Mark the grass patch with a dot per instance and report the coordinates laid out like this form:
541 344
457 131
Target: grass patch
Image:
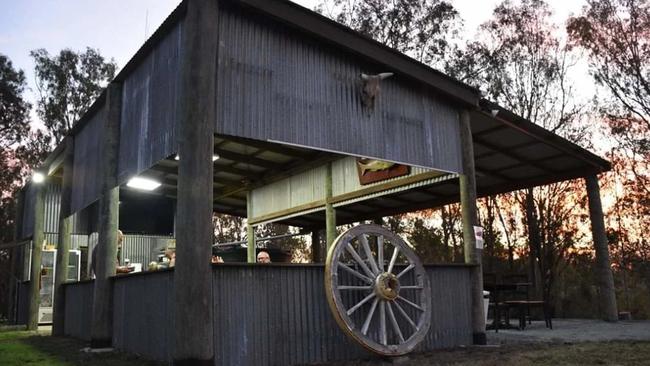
19 348
39 349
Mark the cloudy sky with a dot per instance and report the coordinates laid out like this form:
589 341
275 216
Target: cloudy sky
119 27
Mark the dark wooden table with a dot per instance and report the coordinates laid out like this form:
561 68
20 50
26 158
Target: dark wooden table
497 290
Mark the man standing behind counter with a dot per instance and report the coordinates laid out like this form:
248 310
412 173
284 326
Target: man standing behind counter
118 268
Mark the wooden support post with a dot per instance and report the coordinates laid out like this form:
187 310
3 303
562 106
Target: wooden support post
64 242
604 277
16 254
330 212
193 302
101 332
37 254
473 255
250 229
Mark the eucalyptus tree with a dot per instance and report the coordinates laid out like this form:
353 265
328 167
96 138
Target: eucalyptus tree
67 85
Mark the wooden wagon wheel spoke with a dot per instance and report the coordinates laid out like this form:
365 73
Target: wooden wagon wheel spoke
408 318
410 267
380 253
366 323
355 287
410 303
360 261
366 248
393 321
393 260
360 303
355 273
414 287
365 310
382 323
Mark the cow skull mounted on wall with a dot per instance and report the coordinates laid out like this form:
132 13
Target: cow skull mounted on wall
371 88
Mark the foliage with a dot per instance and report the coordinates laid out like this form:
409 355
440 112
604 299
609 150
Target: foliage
14 130
68 84
228 228
616 37
14 109
421 29
297 245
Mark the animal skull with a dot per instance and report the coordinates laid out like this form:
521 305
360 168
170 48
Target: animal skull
371 88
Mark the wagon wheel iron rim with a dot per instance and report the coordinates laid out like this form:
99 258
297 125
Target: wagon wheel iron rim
378 290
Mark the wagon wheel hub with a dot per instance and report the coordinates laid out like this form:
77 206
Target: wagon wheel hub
387 286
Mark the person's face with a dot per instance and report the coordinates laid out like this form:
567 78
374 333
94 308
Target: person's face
263 257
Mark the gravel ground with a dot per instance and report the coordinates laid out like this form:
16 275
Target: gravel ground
574 330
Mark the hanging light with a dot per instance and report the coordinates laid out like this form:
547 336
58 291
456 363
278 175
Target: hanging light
144 184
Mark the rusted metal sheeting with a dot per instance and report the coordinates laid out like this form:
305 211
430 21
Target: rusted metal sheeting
88 149
276 84
78 309
143 314
149 103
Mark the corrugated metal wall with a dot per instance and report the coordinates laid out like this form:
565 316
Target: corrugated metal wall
263 315
297 190
143 314
277 84
275 316
279 315
345 178
78 309
309 186
29 199
87 166
149 102
22 307
52 207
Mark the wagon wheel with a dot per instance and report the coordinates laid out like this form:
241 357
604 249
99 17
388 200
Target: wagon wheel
378 290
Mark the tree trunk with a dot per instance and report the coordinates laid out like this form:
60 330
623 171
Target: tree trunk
604 276
534 242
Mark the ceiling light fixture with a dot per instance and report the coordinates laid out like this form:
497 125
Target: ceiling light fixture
38 177
144 184
215 157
